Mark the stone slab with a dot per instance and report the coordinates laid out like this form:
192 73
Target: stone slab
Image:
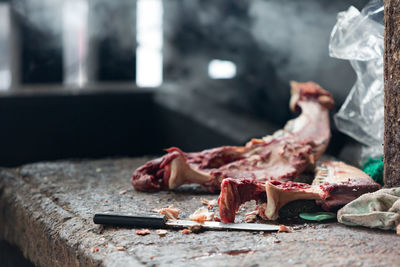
46 209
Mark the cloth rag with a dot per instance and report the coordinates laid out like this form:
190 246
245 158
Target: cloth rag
380 209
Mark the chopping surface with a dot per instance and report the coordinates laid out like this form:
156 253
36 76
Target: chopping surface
47 210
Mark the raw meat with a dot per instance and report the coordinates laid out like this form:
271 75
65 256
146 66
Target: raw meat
235 192
201 215
285 154
335 184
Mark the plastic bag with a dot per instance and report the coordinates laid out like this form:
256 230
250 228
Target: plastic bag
358 37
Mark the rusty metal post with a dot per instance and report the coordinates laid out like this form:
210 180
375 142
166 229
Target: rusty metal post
392 93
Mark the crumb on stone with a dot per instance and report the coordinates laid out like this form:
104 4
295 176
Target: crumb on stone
186 231
143 232
251 217
161 232
284 229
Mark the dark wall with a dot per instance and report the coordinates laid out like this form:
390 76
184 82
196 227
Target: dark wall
271 42
92 125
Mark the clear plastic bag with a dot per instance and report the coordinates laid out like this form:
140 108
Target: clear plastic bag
358 37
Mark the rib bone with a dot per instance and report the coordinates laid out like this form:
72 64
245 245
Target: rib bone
335 184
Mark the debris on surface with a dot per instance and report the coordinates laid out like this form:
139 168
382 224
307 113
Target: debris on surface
251 217
143 232
95 250
186 231
196 229
284 229
171 212
120 248
161 232
201 215
398 229
123 192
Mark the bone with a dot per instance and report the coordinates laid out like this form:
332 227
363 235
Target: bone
182 173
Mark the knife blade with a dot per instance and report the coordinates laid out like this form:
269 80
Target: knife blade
159 221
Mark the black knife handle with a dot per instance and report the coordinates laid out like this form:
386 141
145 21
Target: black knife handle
142 220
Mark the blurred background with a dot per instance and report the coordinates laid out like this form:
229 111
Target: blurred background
100 78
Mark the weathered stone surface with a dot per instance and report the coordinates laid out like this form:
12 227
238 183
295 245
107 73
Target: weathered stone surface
47 208
392 93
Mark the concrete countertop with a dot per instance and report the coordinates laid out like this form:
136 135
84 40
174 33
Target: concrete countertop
46 209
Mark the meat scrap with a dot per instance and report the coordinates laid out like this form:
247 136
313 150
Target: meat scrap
251 217
171 212
236 192
143 232
186 231
161 232
201 215
284 229
281 156
217 219
123 192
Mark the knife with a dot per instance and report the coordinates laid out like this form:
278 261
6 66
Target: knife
158 221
